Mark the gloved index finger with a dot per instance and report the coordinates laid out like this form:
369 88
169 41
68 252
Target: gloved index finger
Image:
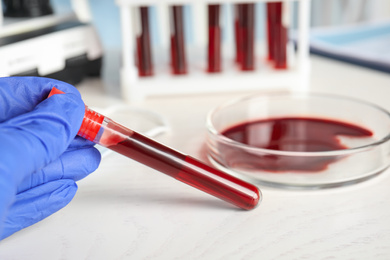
19 95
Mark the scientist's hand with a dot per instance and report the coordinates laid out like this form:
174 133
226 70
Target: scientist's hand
40 158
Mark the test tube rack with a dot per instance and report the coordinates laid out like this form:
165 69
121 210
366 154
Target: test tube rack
198 80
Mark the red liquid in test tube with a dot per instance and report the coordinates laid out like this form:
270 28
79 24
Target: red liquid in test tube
104 131
144 54
270 30
277 35
246 34
214 50
178 59
238 40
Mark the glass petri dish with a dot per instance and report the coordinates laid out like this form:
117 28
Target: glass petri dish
334 141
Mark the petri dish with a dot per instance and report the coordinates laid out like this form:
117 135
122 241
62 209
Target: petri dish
299 140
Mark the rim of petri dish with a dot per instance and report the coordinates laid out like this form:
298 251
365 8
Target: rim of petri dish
295 95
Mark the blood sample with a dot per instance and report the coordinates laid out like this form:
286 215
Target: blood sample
246 35
237 8
178 58
277 35
270 30
144 53
104 131
297 134
214 50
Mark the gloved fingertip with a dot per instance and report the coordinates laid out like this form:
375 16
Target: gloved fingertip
88 161
64 192
96 158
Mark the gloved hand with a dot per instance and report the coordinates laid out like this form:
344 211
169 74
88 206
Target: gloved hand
40 158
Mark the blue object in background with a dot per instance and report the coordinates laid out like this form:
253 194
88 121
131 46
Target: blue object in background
106 18
365 44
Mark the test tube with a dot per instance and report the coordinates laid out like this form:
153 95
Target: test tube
246 34
238 41
144 53
214 50
178 59
104 131
277 35
270 30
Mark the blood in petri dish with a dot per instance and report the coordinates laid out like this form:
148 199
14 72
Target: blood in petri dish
188 170
295 134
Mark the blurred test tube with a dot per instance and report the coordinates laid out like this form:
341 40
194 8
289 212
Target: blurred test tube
277 35
178 59
246 35
144 53
270 30
214 48
238 40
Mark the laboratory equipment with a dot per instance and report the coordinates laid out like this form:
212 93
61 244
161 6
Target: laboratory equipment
299 140
214 43
104 131
277 26
59 44
245 35
257 74
178 54
144 52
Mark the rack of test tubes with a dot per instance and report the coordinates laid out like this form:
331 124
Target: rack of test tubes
188 47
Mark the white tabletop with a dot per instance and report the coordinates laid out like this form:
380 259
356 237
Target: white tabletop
127 211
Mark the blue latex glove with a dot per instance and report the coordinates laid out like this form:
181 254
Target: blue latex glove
40 158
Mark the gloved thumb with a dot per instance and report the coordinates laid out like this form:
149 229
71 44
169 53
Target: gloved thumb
34 139
36 204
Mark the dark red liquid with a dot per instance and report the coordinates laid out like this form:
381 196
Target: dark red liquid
270 30
178 59
238 41
214 50
144 53
246 36
277 35
188 170
289 134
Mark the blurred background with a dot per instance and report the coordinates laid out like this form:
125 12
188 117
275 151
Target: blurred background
104 16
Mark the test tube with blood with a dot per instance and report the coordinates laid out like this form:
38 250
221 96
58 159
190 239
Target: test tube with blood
214 47
277 34
106 132
178 56
246 35
144 53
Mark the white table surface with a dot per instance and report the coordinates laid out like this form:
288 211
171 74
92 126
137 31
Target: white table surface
127 211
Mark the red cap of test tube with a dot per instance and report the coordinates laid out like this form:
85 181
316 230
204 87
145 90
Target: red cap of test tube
92 121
